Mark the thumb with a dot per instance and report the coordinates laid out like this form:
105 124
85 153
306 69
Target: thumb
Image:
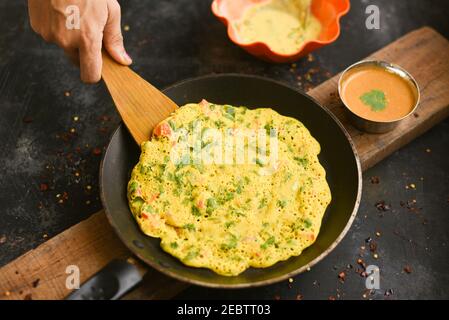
112 37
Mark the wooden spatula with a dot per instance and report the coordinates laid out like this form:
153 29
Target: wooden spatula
140 105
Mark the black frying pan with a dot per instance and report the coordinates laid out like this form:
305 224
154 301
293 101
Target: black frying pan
338 157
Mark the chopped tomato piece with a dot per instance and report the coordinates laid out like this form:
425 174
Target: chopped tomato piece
153 197
162 130
204 103
200 204
144 216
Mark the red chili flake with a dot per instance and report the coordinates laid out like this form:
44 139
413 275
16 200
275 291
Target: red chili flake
96 151
36 283
27 119
43 187
342 276
375 180
410 205
407 269
382 206
361 263
103 130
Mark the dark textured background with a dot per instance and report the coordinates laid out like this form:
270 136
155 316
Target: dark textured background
47 157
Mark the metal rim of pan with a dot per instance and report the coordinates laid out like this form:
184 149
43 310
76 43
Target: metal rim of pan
275 279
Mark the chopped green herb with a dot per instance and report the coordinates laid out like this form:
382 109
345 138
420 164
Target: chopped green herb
231 244
229 224
189 226
270 241
282 203
172 125
211 205
260 162
196 211
302 161
173 245
307 223
133 186
375 99
219 124
191 255
263 202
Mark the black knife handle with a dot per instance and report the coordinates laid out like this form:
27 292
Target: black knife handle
110 283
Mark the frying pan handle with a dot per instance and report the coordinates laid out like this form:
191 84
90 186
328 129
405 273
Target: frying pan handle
110 283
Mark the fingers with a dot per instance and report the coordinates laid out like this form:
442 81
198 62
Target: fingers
112 36
90 61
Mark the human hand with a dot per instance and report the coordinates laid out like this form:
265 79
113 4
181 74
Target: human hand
99 24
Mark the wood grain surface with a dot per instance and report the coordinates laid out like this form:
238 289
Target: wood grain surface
91 244
140 105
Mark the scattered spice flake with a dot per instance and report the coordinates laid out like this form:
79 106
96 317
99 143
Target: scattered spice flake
389 292
96 151
375 180
36 283
361 263
407 269
43 187
410 205
416 115
27 119
3 239
103 130
342 276
382 206
105 118
373 246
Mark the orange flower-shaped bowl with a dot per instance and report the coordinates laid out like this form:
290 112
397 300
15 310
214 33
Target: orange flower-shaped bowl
328 12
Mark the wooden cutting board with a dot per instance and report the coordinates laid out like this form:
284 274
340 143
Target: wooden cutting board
91 244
